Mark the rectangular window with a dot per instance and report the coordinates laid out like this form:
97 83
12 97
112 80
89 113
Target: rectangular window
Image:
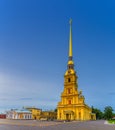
69 80
68 90
69 102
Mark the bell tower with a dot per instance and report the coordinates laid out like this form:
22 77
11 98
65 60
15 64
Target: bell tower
70 77
72 105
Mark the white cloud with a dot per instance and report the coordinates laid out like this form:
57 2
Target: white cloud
15 91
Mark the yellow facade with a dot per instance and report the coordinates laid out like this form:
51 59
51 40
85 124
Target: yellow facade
36 112
72 105
48 115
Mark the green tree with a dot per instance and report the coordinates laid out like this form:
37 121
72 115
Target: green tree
99 113
108 112
113 114
55 110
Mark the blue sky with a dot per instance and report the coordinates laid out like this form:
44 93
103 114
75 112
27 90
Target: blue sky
34 37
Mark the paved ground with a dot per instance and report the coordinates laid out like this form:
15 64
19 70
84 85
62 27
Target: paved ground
51 125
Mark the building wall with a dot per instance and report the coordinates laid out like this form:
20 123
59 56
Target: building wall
14 114
76 113
36 112
2 116
48 115
72 105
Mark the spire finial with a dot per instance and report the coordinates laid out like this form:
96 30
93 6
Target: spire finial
70 39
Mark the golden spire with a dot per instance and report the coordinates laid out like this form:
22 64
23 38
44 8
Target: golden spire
70 61
70 39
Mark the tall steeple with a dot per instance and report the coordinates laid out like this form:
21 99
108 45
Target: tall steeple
70 40
72 105
70 61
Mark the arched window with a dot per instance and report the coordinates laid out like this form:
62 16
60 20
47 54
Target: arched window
69 101
68 90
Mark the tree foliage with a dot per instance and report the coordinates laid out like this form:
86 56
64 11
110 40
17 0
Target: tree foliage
99 113
55 110
108 112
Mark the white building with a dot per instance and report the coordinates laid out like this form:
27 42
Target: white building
19 114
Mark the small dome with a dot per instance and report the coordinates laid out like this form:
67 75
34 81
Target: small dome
70 62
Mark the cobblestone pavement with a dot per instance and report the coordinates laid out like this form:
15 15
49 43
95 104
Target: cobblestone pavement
53 125
29 123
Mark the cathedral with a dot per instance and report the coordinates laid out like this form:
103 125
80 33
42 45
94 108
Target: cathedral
72 105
